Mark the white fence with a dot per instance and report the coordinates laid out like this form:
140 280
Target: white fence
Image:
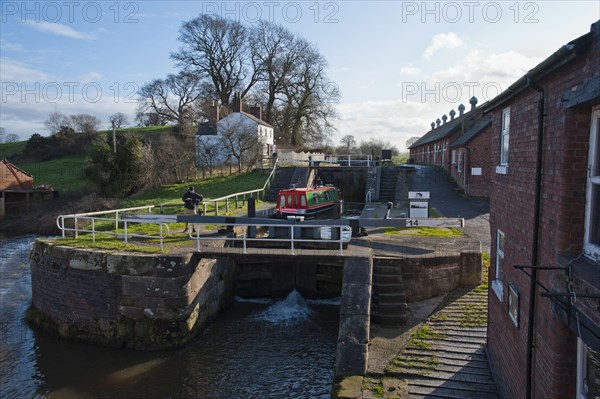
94 217
326 235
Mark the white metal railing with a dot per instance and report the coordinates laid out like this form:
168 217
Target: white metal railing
369 196
60 221
345 235
93 217
349 159
75 216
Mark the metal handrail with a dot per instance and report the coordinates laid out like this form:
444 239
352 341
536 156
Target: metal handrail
348 159
60 221
115 211
343 238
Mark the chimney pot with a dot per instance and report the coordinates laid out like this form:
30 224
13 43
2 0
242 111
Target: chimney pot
452 114
461 109
237 103
438 122
473 102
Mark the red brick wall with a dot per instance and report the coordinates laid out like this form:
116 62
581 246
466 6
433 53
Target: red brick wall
565 152
479 156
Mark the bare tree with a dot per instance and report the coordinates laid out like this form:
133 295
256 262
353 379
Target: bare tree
348 141
174 159
12 138
216 49
173 98
118 120
57 120
374 147
274 47
149 119
305 113
411 141
85 123
209 151
239 140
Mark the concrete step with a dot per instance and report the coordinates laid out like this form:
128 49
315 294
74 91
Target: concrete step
387 269
392 308
393 288
397 319
387 278
391 297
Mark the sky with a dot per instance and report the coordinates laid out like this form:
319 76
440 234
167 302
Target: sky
399 65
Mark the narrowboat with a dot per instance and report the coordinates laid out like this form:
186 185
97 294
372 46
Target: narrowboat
307 202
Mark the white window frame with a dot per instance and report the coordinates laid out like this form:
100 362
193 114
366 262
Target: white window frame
453 157
583 362
502 168
590 248
497 284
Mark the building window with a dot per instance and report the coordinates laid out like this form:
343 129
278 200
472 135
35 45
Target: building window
460 160
513 304
588 372
592 212
504 140
453 156
497 282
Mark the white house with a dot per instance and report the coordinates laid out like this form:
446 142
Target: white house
229 137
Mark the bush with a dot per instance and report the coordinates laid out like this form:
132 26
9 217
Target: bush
120 173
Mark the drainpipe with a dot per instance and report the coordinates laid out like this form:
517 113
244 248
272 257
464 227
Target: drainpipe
536 236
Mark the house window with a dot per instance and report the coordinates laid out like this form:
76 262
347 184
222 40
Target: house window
588 372
504 139
453 156
592 231
460 159
497 282
513 304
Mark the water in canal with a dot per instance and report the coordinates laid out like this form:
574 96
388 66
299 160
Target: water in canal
257 349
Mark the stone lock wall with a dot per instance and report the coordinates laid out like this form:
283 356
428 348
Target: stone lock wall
135 301
429 276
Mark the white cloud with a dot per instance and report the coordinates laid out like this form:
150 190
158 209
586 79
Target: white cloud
410 70
5 45
447 41
90 77
14 71
58 29
492 69
393 121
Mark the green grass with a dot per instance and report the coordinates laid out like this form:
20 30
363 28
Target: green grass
8 150
214 187
64 174
418 338
485 273
424 231
105 242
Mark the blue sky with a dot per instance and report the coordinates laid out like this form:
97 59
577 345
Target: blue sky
399 64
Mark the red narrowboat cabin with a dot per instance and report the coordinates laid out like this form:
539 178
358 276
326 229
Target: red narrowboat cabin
307 202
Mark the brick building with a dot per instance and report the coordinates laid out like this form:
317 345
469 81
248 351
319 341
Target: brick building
461 147
470 159
544 297
14 178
